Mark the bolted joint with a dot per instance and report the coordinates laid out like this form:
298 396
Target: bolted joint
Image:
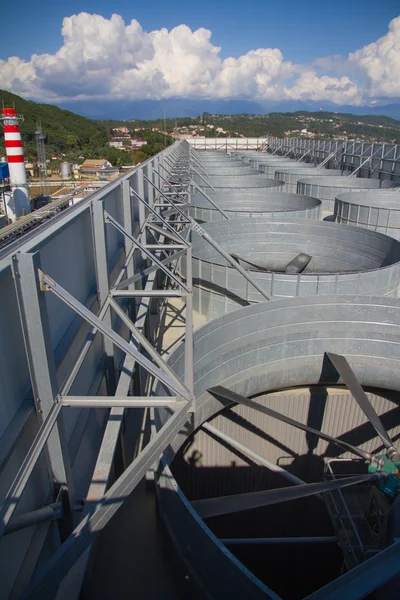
393 454
196 227
43 285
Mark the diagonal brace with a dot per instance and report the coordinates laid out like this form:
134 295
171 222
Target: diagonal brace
49 284
149 270
144 342
18 485
151 256
167 225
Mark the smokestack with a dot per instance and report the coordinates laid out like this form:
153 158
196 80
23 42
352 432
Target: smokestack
18 204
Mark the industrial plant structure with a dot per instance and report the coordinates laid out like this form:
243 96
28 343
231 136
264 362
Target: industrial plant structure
18 200
199 409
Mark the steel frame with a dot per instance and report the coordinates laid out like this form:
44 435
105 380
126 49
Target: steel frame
165 221
51 399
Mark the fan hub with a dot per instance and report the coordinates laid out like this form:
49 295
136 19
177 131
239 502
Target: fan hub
391 484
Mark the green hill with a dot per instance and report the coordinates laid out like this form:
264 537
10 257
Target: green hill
65 131
75 137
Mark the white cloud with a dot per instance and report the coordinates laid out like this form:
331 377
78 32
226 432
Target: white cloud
104 58
309 86
380 63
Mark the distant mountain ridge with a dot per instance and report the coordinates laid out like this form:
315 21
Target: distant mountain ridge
75 136
180 107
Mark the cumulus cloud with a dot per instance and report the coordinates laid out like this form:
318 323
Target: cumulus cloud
340 90
106 58
380 63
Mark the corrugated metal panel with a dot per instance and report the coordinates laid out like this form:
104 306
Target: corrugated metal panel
336 413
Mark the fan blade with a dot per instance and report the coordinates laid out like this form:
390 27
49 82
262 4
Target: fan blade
213 507
223 392
346 373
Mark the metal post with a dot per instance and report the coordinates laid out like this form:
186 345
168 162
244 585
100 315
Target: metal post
36 330
140 191
127 212
189 368
150 189
103 287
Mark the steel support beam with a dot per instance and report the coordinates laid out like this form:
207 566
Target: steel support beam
103 286
189 344
170 202
127 219
180 194
144 294
42 369
119 401
34 517
68 383
172 235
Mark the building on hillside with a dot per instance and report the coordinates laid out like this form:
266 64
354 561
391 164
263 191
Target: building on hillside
118 143
99 168
137 142
121 130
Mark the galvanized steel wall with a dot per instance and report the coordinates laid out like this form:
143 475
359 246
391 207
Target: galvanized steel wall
245 182
379 211
327 188
277 345
253 203
290 176
344 260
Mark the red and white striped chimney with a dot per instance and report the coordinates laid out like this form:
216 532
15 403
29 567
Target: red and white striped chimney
19 203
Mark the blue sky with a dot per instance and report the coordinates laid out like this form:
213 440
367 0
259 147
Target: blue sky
303 30
281 49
